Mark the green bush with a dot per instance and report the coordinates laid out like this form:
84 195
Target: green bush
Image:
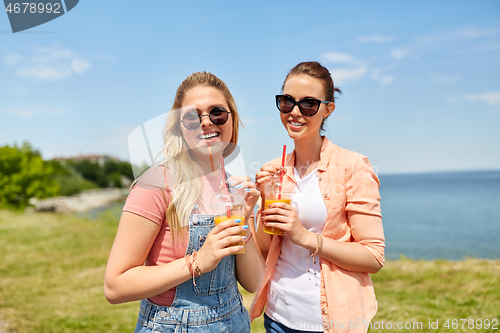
73 176
24 175
105 175
70 181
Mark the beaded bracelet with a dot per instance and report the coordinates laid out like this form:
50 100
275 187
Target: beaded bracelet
196 271
319 245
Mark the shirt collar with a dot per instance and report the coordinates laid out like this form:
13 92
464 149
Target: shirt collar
326 149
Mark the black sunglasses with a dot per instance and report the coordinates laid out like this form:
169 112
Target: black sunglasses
218 116
307 106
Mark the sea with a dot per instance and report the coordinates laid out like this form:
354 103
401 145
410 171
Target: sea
441 215
453 215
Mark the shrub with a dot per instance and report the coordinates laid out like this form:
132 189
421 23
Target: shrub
24 175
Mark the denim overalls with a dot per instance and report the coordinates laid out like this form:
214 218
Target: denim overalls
213 305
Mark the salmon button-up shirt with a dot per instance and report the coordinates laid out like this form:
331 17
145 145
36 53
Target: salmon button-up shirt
350 191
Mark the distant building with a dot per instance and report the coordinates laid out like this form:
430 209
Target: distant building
101 159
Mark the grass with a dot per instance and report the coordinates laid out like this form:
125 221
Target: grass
428 291
52 272
52 269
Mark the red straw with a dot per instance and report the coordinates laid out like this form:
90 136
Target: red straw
282 173
211 159
226 193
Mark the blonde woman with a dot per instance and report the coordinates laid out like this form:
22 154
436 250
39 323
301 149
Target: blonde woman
167 251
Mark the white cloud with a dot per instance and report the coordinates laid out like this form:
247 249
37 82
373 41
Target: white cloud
48 63
342 75
474 33
12 59
492 98
355 70
400 53
29 113
386 79
339 58
445 78
351 69
79 66
376 38
377 74
44 72
459 34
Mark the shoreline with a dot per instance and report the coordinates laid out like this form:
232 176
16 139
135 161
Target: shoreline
80 203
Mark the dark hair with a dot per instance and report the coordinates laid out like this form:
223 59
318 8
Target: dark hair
317 71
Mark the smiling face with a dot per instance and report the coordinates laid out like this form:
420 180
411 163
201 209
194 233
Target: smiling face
204 99
301 127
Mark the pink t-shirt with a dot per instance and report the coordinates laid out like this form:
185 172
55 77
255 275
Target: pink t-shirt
149 198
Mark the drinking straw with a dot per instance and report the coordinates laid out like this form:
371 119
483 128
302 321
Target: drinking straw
226 192
282 173
211 159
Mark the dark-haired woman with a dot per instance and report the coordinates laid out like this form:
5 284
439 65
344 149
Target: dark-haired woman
316 276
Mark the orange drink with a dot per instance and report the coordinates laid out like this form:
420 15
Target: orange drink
230 202
221 218
272 230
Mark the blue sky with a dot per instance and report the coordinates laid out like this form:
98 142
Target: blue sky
420 80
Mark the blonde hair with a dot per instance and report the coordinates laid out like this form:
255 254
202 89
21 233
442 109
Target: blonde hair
180 163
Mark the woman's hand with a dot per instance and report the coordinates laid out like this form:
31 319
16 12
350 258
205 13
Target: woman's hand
267 173
283 216
252 193
263 177
217 244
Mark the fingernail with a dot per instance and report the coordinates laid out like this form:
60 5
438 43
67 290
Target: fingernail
237 186
244 238
237 220
245 227
247 190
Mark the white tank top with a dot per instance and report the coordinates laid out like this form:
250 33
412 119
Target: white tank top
294 293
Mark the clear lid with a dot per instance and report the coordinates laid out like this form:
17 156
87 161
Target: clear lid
233 195
234 200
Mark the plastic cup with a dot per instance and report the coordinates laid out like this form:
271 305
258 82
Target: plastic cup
272 195
236 211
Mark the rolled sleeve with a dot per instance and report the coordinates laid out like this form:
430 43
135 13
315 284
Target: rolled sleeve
363 208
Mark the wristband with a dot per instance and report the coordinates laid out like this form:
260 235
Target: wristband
196 271
319 245
246 241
